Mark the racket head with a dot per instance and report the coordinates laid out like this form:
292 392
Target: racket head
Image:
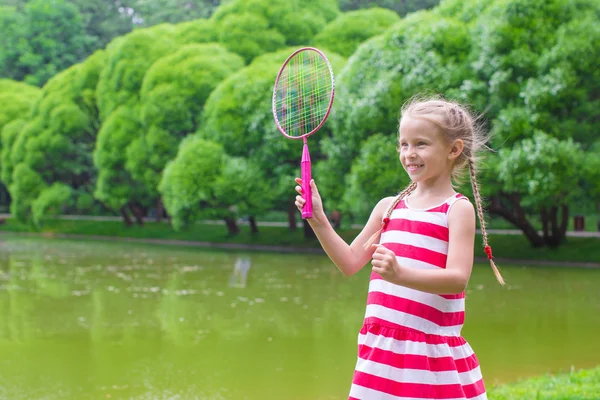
303 93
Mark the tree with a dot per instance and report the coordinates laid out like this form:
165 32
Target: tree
375 173
401 7
543 174
188 184
46 38
115 187
237 117
422 53
345 33
172 97
540 77
56 145
16 99
253 27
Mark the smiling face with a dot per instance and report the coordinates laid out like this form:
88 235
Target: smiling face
425 153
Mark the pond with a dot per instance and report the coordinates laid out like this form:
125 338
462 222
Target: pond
102 320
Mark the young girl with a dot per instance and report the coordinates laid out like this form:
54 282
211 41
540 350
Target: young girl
410 346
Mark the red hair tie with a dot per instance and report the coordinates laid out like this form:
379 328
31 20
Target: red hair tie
386 221
488 251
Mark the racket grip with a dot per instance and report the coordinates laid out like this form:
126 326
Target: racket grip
306 178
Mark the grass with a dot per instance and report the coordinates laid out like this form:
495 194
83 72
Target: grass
505 246
575 385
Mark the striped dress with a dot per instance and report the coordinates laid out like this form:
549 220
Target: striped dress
410 346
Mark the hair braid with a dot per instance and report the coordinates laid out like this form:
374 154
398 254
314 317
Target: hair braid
478 201
386 219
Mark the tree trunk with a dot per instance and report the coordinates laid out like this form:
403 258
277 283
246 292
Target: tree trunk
232 227
308 232
160 210
544 217
292 215
125 215
253 226
559 232
138 213
516 216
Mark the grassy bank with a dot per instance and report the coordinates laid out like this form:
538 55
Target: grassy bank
505 246
579 385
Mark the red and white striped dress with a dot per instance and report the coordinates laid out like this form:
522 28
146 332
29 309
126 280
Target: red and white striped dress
410 346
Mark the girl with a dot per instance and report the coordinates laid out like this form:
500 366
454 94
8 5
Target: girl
410 346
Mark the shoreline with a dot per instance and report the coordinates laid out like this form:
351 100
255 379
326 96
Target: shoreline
267 248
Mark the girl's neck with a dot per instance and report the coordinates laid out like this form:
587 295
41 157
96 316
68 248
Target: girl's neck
435 188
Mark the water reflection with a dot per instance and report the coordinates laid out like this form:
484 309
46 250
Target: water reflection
92 320
239 277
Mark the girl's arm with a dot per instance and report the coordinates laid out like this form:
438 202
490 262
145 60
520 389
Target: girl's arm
451 280
348 258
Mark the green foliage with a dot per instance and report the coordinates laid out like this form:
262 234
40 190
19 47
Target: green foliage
46 38
344 34
402 7
375 173
10 133
57 143
115 186
243 184
173 94
575 385
424 52
128 59
197 31
542 168
16 99
237 116
24 189
50 201
188 181
253 27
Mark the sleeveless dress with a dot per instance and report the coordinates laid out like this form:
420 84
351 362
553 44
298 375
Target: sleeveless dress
410 345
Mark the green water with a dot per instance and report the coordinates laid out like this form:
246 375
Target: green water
96 320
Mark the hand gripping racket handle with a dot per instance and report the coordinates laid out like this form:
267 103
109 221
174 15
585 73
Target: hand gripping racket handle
306 178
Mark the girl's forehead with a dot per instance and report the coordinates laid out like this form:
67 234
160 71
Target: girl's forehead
413 127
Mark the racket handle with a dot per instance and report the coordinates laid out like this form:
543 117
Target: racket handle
306 178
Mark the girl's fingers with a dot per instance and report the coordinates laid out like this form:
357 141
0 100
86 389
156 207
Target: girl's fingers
299 189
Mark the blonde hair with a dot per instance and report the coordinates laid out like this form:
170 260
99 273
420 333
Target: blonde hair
456 121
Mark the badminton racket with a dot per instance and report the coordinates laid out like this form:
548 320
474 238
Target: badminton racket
302 100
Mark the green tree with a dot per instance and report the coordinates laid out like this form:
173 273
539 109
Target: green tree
56 144
536 70
173 94
546 173
16 99
114 186
237 116
375 173
189 181
42 40
402 7
253 27
344 34
128 59
422 53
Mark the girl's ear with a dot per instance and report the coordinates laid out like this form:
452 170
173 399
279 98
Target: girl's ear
456 149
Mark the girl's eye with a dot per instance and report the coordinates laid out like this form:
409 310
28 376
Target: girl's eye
421 144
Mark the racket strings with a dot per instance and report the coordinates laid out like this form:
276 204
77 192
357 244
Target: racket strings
303 94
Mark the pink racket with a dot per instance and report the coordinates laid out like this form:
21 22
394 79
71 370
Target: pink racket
302 99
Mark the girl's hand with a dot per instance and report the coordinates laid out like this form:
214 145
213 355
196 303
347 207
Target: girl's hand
385 264
317 204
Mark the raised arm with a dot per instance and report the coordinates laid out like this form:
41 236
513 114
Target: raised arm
348 258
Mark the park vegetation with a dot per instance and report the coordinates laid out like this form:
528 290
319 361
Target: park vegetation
169 116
